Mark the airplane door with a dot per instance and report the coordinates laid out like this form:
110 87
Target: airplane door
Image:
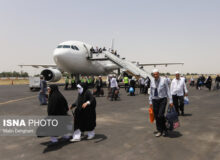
88 51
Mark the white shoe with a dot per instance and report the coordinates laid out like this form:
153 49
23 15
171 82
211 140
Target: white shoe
158 134
90 137
76 136
75 140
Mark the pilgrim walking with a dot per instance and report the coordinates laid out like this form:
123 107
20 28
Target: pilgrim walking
208 83
178 91
57 105
85 113
158 100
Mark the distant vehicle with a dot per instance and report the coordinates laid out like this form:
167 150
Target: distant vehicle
34 83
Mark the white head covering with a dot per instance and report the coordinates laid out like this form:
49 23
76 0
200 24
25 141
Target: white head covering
155 70
177 72
80 88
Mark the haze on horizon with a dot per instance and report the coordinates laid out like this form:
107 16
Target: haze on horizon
144 30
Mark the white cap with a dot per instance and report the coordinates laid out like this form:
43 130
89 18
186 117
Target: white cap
177 72
155 70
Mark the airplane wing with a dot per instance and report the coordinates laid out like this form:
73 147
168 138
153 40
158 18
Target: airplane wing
40 65
160 64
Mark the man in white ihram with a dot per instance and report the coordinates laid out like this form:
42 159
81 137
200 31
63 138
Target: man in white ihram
178 91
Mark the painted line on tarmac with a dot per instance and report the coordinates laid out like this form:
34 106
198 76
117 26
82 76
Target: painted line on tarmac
16 100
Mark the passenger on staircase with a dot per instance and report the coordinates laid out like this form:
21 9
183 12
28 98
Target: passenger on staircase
97 49
92 50
104 49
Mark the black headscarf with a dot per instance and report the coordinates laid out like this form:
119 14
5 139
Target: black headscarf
57 104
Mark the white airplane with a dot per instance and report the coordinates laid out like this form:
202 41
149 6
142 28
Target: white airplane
74 57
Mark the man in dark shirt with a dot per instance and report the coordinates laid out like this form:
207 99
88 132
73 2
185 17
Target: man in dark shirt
43 90
98 86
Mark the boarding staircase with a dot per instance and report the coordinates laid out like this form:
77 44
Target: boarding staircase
129 67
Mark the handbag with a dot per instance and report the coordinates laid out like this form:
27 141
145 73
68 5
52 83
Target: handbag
172 119
151 115
186 100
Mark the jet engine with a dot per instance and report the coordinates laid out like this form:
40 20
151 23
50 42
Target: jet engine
52 75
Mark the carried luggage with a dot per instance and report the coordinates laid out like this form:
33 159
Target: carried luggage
94 92
116 95
151 115
131 91
186 100
172 119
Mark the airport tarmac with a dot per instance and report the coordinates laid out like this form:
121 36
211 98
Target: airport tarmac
123 130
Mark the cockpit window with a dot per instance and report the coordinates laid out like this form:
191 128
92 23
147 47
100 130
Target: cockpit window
66 46
75 48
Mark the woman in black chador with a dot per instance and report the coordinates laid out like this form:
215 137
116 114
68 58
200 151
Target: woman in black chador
208 83
57 106
85 114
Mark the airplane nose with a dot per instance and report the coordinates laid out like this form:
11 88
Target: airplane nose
58 55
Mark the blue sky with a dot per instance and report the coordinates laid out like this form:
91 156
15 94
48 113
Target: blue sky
147 31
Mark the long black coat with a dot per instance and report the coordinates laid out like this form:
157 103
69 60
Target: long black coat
85 118
132 83
57 108
57 104
99 83
209 83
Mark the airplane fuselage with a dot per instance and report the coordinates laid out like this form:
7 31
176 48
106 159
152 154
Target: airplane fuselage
72 57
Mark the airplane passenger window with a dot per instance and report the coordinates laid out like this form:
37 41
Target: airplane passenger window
66 46
60 46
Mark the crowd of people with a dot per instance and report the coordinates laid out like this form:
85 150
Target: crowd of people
98 50
202 81
161 88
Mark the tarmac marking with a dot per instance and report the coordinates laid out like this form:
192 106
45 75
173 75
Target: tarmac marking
16 100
